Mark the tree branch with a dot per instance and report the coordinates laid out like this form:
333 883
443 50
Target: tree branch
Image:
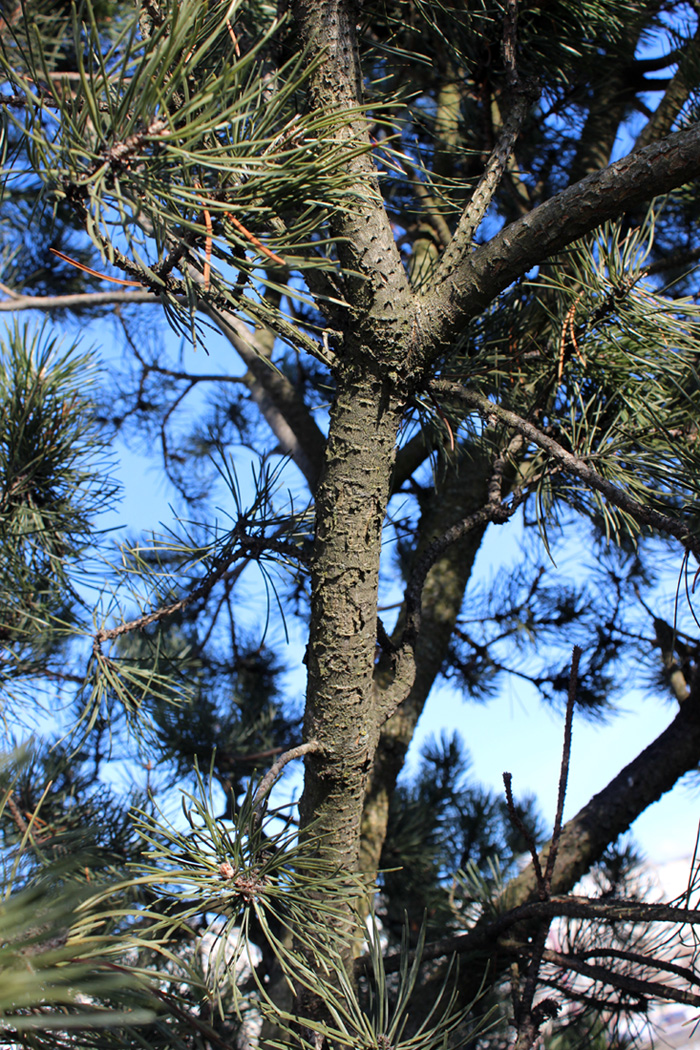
487 931
376 281
641 513
522 97
73 302
625 982
676 95
274 772
466 282
583 841
611 812
246 547
496 165
280 403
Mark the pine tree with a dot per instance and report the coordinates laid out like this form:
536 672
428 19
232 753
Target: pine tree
409 211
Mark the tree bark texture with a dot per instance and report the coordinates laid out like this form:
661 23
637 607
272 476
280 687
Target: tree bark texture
464 490
351 504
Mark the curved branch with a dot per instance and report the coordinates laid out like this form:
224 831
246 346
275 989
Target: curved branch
466 282
583 841
280 403
495 167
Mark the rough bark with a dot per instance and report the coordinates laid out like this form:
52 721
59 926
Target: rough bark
391 335
354 493
351 503
464 490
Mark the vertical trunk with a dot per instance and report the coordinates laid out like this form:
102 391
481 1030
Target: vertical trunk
465 490
340 709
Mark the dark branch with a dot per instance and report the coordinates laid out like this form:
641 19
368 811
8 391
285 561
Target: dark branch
466 282
486 932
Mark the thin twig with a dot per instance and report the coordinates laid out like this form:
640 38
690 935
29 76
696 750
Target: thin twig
493 173
529 1017
247 546
648 961
79 299
518 823
563 770
273 774
17 815
520 101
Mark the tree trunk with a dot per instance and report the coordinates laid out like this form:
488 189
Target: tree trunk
464 490
341 713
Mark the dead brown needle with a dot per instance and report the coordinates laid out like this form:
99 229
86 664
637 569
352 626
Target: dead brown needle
568 329
254 240
231 33
94 273
207 242
446 421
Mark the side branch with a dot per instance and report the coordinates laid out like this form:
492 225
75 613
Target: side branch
284 410
273 774
488 183
611 812
465 282
583 841
247 547
485 933
574 464
494 511
624 982
72 302
402 653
